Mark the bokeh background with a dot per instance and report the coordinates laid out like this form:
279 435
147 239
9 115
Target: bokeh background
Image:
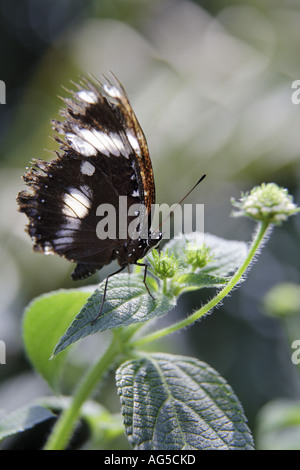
210 82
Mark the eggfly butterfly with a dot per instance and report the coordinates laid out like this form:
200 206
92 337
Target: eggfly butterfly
103 156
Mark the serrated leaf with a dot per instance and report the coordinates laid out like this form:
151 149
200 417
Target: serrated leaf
127 302
45 320
22 419
176 402
227 255
200 280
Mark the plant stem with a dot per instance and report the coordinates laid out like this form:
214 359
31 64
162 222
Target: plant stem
236 278
65 424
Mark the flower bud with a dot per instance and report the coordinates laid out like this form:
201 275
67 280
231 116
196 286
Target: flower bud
268 202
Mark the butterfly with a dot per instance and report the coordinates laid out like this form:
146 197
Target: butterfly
103 159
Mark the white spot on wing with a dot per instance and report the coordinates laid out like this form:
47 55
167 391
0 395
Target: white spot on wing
63 241
69 226
81 145
48 248
92 140
112 91
77 204
87 168
133 142
64 233
119 144
88 96
105 143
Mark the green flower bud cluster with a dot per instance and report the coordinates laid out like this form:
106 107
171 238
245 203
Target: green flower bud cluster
198 257
163 265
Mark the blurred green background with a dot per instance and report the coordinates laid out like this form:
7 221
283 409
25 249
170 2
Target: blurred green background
210 82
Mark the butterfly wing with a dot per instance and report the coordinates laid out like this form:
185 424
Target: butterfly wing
104 155
136 138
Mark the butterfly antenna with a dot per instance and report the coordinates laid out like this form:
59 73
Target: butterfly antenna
181 201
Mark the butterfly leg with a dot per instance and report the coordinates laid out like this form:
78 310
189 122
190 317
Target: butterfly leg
104 293
145 275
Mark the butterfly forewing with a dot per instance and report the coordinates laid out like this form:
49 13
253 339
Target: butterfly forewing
103 156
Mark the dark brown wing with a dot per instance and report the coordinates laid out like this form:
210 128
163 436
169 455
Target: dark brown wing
103 156
136 137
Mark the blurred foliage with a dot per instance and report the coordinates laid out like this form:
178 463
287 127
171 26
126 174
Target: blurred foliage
279 426
283 299
210 82
278 422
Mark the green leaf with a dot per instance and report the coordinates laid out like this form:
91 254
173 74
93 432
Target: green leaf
45 320
127 302
22 419
226 255
278 426
200 280
176 402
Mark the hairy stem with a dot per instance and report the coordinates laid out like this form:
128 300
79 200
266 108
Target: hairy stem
236 278
122 343
65 424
